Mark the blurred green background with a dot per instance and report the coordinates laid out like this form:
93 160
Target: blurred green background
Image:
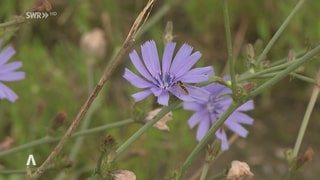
57 81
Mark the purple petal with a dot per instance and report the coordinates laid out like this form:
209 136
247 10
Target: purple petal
241 118
225 101
197 93
221 134
136 80
194 106
6 54
203 128
213 118
197 75
236 128
163 98
136 61
5 68
167 56
217 89
141 95
196 118
183 53
156 90
12 76
150 57
186 65
180 93
247 106
7 93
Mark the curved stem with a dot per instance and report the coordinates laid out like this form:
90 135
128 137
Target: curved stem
229 45
209 134
142 130
297 63
306 118
105 77
279 32
17 20
47 139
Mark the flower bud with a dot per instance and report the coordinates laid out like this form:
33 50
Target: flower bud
168 32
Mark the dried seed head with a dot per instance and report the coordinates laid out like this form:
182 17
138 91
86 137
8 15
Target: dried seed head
239 171
161 124
305 157
93 43
124 175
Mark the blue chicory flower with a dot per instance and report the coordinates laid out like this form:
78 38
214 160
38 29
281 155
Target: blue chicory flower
8 73
207 112
171 76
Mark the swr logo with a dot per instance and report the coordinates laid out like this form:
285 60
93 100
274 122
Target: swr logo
37 15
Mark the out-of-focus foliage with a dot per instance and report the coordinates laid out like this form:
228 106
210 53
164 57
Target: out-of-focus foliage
56 76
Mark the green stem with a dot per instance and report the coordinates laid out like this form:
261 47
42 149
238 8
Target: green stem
15 171
298 76
306 118
297 63
142 130
304 125
279 32
276 66
47 139
302 77
221 175
229 45
248 76
208 135
205 171
15 21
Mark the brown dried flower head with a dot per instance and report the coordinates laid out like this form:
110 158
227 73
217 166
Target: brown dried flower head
239 171
161 124
124 175
93 43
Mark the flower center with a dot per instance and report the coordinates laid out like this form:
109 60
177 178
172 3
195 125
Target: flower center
165 81
214 107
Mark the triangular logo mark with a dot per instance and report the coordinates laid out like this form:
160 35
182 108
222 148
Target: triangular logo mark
31 159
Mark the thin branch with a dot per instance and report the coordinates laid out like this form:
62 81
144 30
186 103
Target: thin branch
125 46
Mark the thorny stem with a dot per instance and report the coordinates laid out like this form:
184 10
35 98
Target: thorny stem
279 32
105 77
229 45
